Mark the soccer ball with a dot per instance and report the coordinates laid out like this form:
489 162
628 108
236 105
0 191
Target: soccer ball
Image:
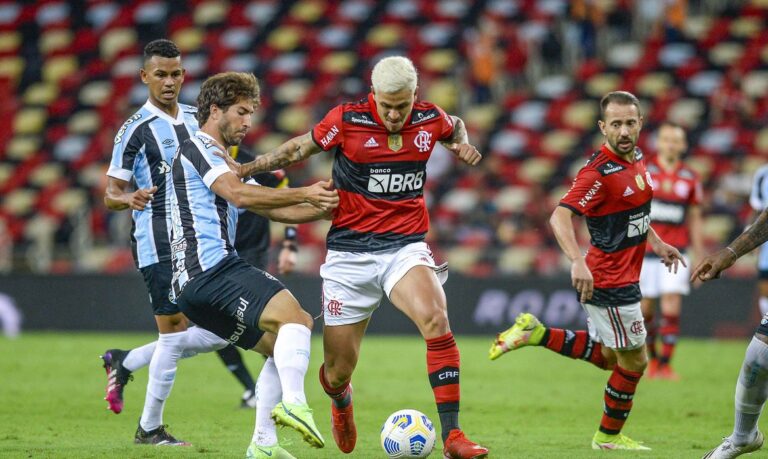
408 433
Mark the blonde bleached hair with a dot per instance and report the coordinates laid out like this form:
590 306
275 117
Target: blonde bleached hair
394 74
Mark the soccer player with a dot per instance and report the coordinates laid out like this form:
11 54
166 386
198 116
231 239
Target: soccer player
613 191
376 246
143 153
676 197
213 286
758 200
752 383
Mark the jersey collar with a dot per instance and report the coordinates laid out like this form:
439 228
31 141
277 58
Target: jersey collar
150 107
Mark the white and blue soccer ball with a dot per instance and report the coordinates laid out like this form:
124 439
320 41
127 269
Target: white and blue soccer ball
408 433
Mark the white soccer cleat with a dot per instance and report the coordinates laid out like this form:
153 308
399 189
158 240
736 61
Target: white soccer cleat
727 449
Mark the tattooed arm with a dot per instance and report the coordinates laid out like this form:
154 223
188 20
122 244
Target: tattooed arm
713 265
294 150
459 144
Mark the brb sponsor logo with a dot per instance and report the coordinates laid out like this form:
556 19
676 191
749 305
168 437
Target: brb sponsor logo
638 225
384 181
334 308
591 193
423 141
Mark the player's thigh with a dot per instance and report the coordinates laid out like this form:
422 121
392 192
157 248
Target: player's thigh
341 349
617 327
649 277
351 287
412 285
283 308
266 345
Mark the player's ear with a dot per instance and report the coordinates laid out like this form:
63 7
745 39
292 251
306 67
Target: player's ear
143 75
601 125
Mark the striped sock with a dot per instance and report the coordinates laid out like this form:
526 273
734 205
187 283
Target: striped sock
443 368
574 344
340 396
670 329
619 393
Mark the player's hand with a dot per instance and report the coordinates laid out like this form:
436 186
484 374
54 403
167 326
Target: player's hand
322 195
581 279
465 152
670 256
286 261
140 198
233 165
712 266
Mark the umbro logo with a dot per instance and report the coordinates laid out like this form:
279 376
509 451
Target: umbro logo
628 192
371 143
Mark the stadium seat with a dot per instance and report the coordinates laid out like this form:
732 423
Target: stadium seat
46 174
19 201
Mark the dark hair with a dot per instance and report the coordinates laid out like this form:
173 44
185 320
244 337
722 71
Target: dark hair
224 90
162 48
618 97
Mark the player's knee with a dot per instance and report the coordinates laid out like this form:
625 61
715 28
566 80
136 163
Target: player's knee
433 321
337 373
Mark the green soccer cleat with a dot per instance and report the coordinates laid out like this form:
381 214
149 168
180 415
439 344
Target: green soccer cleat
267 452
527 331
298 416
618 441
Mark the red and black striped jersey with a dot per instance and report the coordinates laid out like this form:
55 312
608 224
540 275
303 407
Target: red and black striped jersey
673 193
379 175
615 197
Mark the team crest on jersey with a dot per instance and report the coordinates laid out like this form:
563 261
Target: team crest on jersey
423 141
395 142
640 182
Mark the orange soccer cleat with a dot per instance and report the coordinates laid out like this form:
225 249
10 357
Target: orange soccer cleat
343 427
458 446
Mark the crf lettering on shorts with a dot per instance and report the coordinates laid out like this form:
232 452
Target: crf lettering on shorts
638 225
240 316
330 136
590 194
395 183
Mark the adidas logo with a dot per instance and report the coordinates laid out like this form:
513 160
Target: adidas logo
371 143
628 192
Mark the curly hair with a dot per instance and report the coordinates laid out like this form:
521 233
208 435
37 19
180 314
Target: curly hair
224 90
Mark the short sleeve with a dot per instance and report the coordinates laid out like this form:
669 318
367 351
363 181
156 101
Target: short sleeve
697 194
128 145
586 193
327 133
217 168
756 198
446 125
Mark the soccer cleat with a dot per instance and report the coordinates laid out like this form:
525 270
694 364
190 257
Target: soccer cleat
157 437
618 441
343 427
117 378
298 416
727 449
652 372
248 399
458 446
666 372
267 452
527 331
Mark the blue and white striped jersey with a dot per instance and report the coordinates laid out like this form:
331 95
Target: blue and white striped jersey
758 198
203 223
144 149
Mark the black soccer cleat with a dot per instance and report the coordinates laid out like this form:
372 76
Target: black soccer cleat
117 378
157 437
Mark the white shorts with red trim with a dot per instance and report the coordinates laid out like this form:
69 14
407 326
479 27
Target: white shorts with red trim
354 282
617 327
657 280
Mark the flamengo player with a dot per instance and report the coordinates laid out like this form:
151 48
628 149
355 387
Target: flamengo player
376 242
676 197
613 191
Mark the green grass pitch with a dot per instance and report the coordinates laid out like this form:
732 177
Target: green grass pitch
531 403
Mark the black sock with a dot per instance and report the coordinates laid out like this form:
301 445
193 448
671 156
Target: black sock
234 362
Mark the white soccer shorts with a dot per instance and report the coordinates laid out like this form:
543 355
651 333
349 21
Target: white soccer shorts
617 327
656 280
355 282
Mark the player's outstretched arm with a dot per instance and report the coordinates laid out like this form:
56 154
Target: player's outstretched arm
302 213
256 198
561 222
459 144
294 150
117 196
669 255
713 265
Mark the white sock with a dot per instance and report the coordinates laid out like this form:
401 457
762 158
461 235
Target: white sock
139 357
751 392
198 340
763 302
268 393
162 372
292 359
